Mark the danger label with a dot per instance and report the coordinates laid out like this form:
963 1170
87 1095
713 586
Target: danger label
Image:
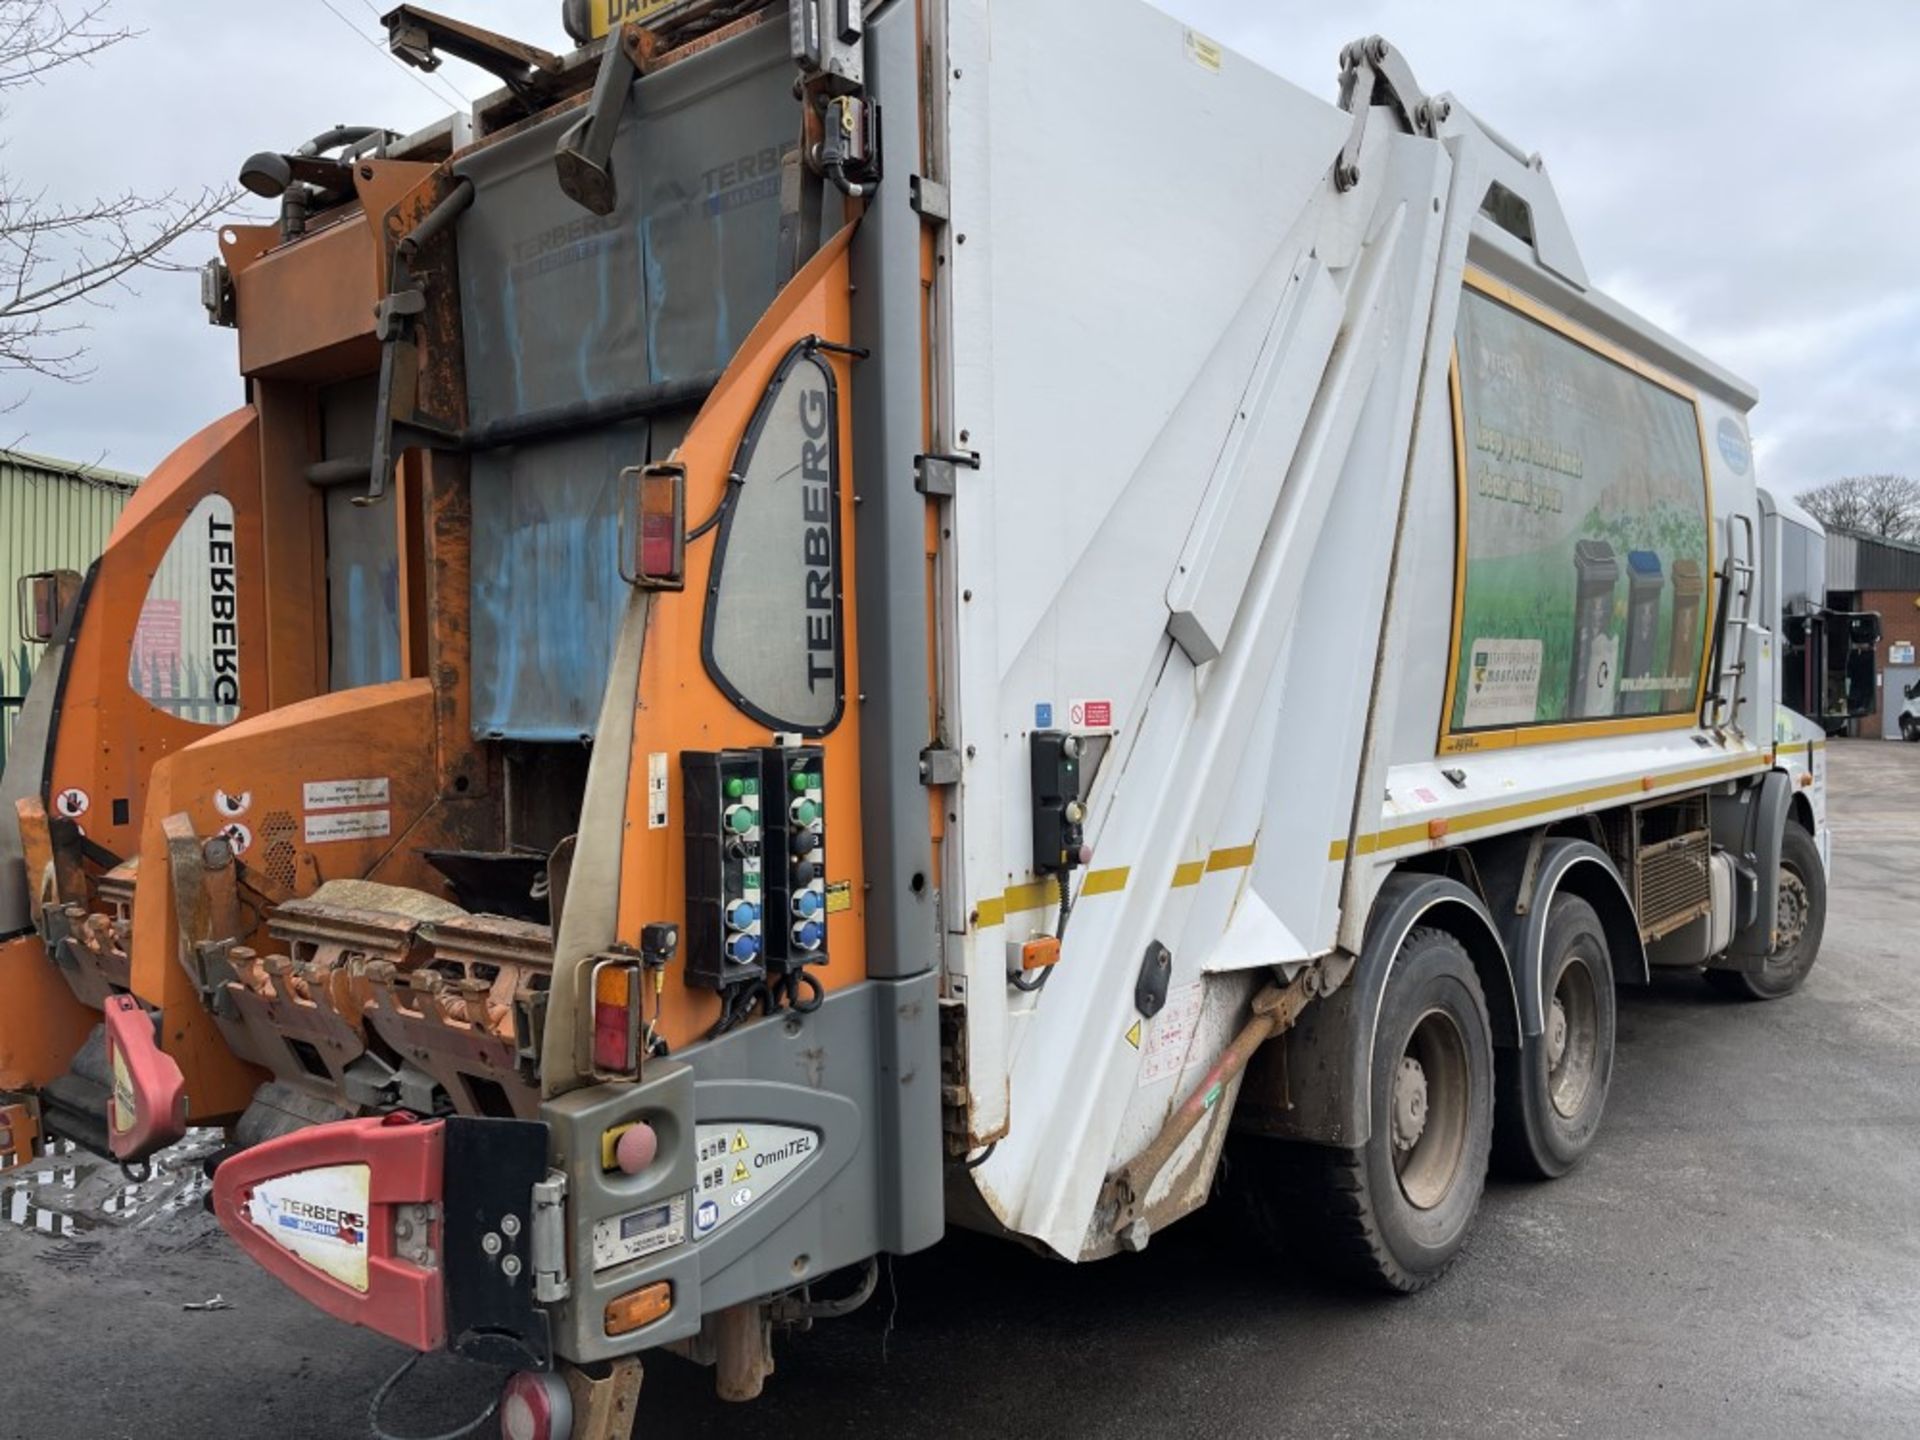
1090 714
348 825
740 1163
344 794
1172 1035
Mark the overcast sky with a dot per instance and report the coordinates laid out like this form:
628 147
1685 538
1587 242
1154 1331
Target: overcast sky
1746 173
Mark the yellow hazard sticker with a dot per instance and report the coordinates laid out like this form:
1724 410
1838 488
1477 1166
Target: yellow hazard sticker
740 1171
1203 52
1133 1035
739 1141
839 897
606 14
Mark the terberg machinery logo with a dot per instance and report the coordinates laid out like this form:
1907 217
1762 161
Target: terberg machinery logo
223 604
816 534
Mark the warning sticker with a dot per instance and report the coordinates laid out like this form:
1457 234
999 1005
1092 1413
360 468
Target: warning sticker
344 794
1172 1034
741 1163
657 790
839 897
320 1216
72 802
1203 52
1090 714
1503 683
348 825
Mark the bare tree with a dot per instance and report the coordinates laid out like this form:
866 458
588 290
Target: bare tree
59 257
1883 505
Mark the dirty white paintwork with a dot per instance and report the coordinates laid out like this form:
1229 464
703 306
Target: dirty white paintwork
1198 379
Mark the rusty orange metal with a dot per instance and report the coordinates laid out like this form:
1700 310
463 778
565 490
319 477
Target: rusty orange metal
34 1053
680 708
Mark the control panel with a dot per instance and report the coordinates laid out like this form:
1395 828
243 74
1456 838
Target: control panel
1059 815
796 854
727 921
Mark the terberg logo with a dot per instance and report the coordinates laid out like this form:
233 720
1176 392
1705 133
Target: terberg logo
223 606
816 533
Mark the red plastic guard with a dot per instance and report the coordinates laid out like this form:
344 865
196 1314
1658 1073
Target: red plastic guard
317 1209
147 1104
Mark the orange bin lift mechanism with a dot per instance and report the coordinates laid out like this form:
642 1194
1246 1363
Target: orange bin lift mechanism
454 995
370 733
679 706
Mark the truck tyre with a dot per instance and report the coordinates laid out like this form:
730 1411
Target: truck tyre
1552 1089
1801 920
1395 1212
1908 730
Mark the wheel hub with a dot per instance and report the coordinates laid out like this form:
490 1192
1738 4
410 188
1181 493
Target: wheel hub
1556 1032
1409 1103
1790 915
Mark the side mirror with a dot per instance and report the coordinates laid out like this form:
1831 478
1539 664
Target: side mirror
41 601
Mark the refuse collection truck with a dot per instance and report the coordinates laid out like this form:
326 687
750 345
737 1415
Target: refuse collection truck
962 639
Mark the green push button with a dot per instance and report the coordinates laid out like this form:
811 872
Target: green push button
740 819
736 787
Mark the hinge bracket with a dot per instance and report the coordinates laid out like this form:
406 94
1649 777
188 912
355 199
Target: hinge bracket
939 767
930 200
547 1245
1373 73
938 475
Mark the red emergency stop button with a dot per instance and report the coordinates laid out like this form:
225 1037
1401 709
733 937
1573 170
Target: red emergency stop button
147 1104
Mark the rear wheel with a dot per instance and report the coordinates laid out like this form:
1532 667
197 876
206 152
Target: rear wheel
1553 1088
1799 923
1395 1212
1908 730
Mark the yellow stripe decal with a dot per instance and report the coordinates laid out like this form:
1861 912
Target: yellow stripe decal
1400 835
1237 858
1038 894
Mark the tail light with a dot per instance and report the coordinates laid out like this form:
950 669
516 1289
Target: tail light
653 526
617 999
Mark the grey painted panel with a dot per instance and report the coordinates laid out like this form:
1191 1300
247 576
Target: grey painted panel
547 592
561 306
902 920
363 550
863 1071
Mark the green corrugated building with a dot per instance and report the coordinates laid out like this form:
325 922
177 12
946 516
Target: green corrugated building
54 515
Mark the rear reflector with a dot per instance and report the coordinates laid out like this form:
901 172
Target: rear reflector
536 1406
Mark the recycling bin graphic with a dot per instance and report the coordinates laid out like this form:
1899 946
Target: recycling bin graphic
1644 584
1595 652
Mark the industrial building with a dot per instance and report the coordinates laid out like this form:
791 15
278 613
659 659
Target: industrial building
54 515
1868 572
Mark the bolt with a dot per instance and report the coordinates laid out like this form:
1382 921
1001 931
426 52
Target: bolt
510 1226
510 1267
490 1243
1134 1238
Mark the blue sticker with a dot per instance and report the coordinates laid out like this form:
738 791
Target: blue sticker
706 1217
1733 446
1042 715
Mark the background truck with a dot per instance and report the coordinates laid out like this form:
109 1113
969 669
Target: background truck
947 655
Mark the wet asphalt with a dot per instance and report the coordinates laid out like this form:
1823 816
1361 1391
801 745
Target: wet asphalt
1740 1256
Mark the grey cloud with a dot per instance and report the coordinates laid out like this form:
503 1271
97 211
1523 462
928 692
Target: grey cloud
1744 173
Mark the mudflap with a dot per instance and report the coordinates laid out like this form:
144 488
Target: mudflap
420 1230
